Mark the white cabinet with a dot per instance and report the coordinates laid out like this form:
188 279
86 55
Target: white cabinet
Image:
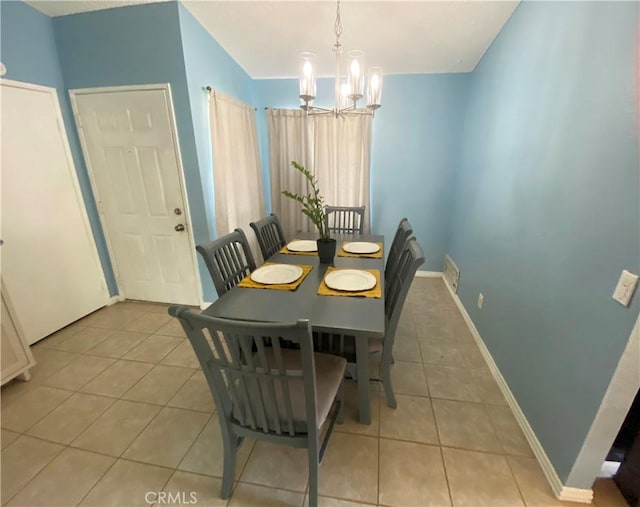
15 356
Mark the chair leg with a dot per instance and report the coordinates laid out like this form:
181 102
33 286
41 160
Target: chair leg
230 449
386 382
340 398
314 459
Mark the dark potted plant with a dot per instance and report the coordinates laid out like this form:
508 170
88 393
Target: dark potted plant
313 206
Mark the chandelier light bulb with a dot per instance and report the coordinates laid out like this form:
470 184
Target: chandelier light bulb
374 90
307 77
344 95
307 69
356 81
355 68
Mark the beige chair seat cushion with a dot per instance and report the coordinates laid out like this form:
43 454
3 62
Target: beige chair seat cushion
329 374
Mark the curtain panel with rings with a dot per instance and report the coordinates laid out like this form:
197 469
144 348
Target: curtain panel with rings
237 177
336 150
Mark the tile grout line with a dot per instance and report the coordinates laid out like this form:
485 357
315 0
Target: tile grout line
190 445
97 481
379 432
45 415
440 447
35 475
515 480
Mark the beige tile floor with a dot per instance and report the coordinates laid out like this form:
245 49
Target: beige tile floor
117 409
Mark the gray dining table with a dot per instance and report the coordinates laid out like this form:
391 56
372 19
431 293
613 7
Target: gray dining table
360 317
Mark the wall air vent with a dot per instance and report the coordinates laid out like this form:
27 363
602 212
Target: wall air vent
451 274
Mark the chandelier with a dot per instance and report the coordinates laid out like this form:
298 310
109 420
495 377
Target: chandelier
348 91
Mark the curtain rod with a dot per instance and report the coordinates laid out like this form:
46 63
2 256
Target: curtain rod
209 89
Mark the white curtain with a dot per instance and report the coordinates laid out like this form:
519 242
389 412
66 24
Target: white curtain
337 150
341 157
289 139
237 178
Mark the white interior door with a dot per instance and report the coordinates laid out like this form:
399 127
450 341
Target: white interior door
129 144
50 265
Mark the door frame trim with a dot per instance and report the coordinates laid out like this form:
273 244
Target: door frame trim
166 88
73 169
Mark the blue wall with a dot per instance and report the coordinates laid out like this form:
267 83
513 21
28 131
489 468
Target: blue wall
207 64
546 212
30 55
415 147
136 45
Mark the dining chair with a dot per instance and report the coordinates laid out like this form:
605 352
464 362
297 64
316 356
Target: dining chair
345 219
270 235
268 393
403 232
381 349
228 259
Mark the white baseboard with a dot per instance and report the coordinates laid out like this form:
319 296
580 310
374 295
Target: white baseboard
205 304
575 495
428 274
562 492
115 299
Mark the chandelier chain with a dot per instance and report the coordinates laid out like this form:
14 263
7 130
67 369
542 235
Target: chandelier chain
337 47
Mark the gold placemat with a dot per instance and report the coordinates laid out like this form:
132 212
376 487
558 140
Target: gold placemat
247 282
376 292
375 255
285 250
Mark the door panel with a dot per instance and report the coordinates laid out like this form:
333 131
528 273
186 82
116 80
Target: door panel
50 265
129 145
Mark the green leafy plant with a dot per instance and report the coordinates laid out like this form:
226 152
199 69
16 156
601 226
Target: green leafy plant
312 203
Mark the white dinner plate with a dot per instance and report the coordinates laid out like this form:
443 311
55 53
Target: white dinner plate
303 245
361 247
276 273
351 280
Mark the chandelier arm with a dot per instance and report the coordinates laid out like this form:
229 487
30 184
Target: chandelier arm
318 110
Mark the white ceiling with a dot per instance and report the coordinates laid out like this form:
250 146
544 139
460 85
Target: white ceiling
265 36
64 7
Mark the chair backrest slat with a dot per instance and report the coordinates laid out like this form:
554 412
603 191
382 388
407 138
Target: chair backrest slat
397 288
270 235
253 385
345 219
285 388
272 402
228 259
403 232
242 391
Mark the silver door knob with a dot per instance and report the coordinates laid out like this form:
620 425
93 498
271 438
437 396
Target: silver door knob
179 227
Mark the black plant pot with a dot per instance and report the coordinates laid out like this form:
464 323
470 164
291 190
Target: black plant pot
326 250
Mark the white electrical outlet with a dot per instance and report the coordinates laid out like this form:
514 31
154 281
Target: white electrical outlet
625 288
480 300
